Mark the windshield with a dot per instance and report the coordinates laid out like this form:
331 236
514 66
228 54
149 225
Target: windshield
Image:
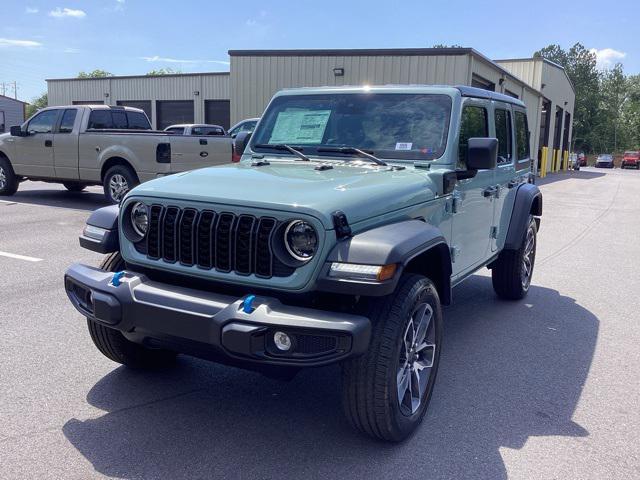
389 125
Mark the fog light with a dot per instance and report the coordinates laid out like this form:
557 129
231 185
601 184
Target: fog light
282 341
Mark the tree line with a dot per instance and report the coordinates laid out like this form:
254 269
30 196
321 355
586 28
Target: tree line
606 116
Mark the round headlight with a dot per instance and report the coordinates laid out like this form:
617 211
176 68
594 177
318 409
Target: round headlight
140 219
301 240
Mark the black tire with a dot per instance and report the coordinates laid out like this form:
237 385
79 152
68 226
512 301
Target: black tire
370 392
74 186
113 345
510 279
118 174
8 180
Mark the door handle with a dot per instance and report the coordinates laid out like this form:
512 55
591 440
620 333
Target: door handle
48 143
489 192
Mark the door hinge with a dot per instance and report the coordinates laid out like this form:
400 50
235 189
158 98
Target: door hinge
454 252
494 232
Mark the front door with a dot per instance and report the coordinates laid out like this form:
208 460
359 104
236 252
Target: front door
473 197
505 171
34 153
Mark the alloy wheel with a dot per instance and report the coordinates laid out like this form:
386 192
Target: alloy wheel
118 187
528 257
3 179
417 354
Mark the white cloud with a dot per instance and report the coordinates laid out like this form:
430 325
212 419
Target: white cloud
67 12
71 50
251 22
120 1
606 57
8 42
31 10
119 6
157 58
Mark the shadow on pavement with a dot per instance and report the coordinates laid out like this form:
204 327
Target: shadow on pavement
59 197
569 175
509 371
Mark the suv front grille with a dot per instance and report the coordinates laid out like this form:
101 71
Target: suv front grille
213 240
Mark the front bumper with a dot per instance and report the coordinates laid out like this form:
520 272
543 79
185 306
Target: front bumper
161 315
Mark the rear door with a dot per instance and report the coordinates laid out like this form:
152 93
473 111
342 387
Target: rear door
34 153
65 144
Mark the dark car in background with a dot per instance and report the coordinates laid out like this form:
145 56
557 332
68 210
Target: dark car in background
604 160
631 159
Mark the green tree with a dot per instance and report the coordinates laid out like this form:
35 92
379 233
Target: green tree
630 120
97 73
36 104
614 95
162 71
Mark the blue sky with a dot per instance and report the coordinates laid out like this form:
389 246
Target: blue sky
50 39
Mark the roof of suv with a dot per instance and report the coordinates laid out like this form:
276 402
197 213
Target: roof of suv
464 90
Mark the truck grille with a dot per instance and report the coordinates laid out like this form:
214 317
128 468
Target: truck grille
213 240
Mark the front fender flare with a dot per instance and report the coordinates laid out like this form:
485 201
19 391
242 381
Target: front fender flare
397 243
105 218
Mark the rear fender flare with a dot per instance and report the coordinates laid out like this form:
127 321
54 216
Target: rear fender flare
528 202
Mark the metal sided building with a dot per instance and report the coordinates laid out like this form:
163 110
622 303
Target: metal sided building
166 99
12 112
257 74
556 115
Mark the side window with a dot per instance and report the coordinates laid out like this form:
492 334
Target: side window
176 130
68 119
2 125
522 136
119 119
43 122
504 135
138 121
473 124
100 119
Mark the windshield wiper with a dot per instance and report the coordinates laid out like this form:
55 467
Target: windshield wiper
353 151
281 146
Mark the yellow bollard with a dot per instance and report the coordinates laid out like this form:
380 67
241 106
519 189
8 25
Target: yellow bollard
566 160
543 162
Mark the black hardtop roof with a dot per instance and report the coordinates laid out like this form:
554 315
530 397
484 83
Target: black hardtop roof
475 92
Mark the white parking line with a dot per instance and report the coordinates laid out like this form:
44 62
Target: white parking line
20 257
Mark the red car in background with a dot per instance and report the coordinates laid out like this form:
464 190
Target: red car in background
582 159
631 159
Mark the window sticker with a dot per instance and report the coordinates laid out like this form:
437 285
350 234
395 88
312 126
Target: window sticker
404 145
300 126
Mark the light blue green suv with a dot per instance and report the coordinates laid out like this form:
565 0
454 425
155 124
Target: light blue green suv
338 237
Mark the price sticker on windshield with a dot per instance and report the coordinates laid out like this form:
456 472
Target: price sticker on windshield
404 145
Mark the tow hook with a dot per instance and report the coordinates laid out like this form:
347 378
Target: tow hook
116 281
247 305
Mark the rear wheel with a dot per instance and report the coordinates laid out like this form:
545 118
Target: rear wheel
8 180
74 186
117 182
386 391
113 345
512 271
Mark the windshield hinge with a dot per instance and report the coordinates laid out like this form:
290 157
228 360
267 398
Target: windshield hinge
341 225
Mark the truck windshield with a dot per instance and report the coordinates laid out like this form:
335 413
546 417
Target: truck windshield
389 125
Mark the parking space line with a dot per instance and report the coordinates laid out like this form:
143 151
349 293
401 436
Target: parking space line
20 257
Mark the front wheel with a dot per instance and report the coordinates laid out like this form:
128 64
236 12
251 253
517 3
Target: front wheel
8 180
512 271
386 391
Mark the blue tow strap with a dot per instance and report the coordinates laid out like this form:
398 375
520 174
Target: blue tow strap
247 305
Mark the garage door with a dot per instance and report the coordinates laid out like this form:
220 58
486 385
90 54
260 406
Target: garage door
170 112
141 104
218 112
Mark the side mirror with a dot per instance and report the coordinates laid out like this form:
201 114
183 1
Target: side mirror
241 141
16 131
482 153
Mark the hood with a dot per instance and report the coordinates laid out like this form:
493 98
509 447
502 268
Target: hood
359 190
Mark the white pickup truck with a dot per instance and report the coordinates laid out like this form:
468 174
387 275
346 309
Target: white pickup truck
115 147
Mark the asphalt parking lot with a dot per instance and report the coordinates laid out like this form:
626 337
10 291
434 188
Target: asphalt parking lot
545 388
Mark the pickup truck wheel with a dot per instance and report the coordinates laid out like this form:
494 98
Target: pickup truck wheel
8 180
387 390
511 274
115 346
74 186
118 180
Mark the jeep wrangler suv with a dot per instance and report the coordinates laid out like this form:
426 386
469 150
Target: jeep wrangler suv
337 238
